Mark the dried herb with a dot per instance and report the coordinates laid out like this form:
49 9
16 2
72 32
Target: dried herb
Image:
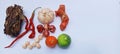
13 21
29 27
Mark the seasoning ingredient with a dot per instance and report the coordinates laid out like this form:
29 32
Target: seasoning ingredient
64 17
46 15
64 40
51 41
34 44
14 20
40 28
52 28
29 26
38 45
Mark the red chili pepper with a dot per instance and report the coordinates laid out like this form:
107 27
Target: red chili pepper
26 20
31 26
28 27
32 35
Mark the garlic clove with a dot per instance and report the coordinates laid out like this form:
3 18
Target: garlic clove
24 46
38 46
37 40
34 44
40 37
27 43
30 47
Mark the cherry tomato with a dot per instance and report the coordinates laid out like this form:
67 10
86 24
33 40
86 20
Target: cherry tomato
51 41
40 28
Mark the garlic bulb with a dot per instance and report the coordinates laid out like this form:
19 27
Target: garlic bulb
46 15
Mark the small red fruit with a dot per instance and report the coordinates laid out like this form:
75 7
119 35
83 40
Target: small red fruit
51 41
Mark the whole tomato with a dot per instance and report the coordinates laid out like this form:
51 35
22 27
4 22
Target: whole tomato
51 41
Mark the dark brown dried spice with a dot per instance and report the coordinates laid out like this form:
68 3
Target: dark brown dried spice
13 21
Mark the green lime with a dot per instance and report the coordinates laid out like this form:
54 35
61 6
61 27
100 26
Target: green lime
64 40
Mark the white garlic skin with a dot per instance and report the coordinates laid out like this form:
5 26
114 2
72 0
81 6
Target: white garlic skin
46 15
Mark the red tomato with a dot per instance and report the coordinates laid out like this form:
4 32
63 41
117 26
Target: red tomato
51 41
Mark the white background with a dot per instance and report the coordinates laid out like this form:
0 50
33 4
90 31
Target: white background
94 26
